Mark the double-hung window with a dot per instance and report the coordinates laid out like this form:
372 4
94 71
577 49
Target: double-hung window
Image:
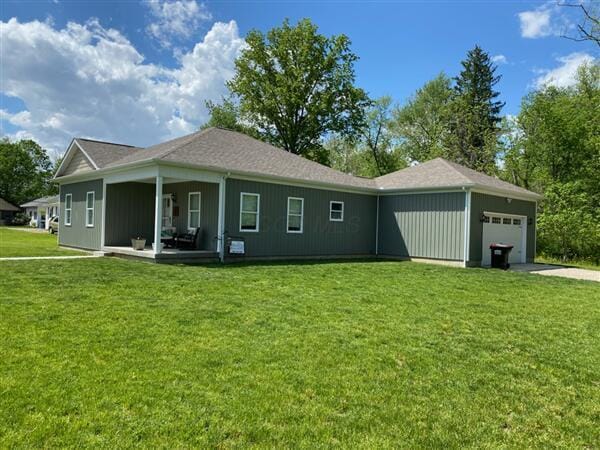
336 211
89 209
249 211
193 210
68 208
295 215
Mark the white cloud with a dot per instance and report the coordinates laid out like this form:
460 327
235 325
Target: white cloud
546 20
566 74
499 59
175 19
89 81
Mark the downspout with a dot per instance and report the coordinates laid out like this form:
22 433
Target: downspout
377 229
467 227
221 231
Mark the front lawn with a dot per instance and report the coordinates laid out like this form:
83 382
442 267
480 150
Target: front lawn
114 353
30 243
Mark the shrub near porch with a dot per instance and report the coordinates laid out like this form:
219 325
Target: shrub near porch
361 354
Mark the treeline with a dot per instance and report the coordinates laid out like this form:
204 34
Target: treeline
26 171
295 88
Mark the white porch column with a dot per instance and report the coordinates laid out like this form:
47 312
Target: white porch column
47 223
221 220
103 230
158 215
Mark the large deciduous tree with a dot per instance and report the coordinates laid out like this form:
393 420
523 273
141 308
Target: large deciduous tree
376 136
556 150
423 123
475 113
25 171
296 85
227 115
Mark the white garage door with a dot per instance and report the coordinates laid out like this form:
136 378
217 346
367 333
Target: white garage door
504 229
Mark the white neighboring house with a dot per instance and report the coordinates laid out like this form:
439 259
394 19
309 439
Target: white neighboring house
41 210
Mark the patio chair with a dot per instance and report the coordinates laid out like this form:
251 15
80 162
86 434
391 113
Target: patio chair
167 237
190 241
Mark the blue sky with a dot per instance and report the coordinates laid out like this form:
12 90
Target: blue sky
139 71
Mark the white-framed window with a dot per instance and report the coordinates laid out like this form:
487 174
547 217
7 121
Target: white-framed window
249 212
336 211
89 209
295 215
194 210
68 208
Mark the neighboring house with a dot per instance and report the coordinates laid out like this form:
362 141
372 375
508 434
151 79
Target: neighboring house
41 210
7 212
281 205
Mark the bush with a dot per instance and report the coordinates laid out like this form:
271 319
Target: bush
21 219
569 225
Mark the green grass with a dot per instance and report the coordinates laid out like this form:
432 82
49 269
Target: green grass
28 243
583 264
116 353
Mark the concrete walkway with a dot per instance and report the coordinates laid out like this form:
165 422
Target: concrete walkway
28 229
42 258
558 271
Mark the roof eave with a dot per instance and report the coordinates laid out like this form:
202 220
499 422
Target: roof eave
141 163
527 195
454 187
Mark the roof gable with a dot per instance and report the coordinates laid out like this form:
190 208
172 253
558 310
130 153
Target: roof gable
85 155
78 163
439 173
5 205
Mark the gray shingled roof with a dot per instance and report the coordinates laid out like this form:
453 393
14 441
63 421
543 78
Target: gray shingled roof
440 173
42 201
104 153
229 151
5 205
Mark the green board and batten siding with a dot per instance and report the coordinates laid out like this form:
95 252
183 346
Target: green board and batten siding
129 212
422 225
320 237
78 234
209 209
491 203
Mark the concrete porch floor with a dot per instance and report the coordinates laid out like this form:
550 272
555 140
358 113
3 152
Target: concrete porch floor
168 255
557 271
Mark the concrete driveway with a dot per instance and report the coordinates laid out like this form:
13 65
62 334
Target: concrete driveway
558 271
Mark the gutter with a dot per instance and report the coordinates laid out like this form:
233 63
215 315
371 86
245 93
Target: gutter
317 184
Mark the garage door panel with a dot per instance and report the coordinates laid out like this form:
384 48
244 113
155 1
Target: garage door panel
503 230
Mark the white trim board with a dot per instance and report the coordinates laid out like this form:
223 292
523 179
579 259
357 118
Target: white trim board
467 226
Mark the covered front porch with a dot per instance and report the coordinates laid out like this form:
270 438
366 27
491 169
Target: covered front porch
176 212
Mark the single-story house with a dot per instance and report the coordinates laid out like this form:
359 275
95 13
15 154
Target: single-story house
41 210
7 212
248 199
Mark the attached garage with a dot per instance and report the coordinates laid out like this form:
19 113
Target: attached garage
443 211
504 229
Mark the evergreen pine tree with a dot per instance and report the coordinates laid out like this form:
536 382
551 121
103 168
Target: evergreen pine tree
475 124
